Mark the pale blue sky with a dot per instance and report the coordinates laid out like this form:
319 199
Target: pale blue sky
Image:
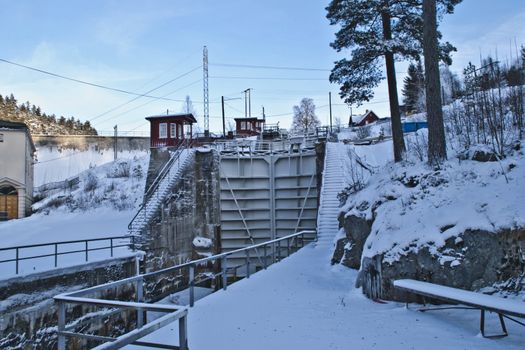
138 45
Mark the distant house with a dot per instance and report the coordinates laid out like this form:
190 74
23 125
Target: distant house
170 130
16 170
361 120
248 126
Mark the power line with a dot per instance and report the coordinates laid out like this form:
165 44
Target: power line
144 94
86 82
270 67
150 101
263 78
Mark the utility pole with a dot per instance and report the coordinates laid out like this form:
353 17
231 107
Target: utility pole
264 115
115 135
247 103
223 119
330 104
205 91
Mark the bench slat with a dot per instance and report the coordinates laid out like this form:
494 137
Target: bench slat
488 302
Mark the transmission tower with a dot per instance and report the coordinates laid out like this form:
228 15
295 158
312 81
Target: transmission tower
205 88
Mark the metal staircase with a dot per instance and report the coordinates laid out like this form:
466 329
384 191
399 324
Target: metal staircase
333 183
160 187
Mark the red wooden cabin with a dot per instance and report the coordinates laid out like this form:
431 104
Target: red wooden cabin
171 129
248 126
364 119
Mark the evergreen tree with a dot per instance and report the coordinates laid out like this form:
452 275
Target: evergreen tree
413 87
437 148
304 119
398 33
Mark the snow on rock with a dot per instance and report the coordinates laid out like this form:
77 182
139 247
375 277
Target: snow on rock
424 207
202 242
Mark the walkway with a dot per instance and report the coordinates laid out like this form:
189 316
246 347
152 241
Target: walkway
333 183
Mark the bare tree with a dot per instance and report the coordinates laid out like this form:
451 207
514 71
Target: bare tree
304 119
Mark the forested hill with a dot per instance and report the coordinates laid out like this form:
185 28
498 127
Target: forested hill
39 122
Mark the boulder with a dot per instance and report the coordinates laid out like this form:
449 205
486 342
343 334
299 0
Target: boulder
475 260
350 248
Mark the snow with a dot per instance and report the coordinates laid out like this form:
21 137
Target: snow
202 242
61 226
304 303
443 204
56 164
464 296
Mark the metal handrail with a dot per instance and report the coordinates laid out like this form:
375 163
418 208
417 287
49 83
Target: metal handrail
56 253
175 311
187 144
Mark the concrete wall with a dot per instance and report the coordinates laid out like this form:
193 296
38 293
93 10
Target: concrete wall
190 210
29 316
81 142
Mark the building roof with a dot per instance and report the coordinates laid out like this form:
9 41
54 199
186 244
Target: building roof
5 124
187 117
9 125
358 118
249 119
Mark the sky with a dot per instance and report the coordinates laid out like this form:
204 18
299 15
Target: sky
138 46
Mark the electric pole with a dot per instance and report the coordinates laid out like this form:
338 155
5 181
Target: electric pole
247 103
223 119
330 104
205 91
115 135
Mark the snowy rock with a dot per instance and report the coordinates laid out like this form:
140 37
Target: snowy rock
350 248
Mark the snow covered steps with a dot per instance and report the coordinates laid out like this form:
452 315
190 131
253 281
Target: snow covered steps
332 184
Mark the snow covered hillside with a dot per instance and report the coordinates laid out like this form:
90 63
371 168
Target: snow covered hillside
58 164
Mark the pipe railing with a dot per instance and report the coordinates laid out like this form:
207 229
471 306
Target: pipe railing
114 242
272 251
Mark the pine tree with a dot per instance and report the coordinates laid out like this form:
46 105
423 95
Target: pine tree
413 87
397 33
437 148
304 119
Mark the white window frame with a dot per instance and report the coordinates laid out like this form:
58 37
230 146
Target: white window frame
163 130
173 130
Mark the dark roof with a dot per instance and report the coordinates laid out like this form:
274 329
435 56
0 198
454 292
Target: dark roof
187 117
249 119
13 125
4 124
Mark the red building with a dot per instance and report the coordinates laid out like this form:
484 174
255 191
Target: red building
171 129
248 126
361 120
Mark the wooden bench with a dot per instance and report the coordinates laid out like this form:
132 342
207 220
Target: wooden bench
472 300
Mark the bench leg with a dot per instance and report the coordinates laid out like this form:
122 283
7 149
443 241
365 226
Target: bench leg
482 326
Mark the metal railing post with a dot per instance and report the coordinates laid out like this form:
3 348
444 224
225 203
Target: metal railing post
86 250
273 253
278 250
247 251
265 258
56 254
111 246
140 298
224 273
192 285
183 333
16 262
61 325
288 246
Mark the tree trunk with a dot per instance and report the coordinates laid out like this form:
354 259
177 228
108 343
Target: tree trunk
395 116
437 148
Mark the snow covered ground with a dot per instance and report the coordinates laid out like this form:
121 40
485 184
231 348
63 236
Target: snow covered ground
304 303
101 205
